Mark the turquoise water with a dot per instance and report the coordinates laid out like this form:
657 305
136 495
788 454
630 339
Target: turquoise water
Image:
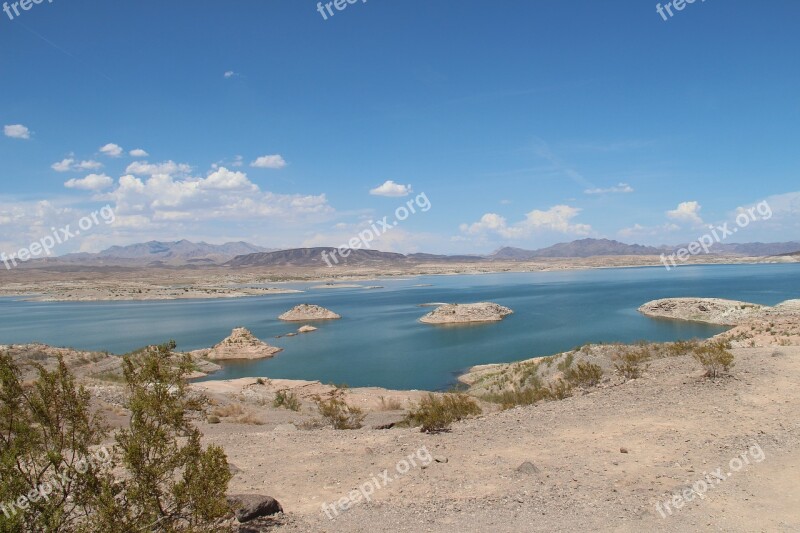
379 341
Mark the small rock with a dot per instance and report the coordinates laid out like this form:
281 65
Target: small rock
440 458
623 450
528 468
306 329
248 507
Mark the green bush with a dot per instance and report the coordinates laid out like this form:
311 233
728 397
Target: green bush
157 477
435 414
584 374
558 390
287 400
338 413
631 363
715 358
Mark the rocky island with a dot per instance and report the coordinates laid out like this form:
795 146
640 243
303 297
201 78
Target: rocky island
466 313
241 344
305 312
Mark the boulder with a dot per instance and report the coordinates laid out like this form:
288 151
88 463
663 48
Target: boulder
247 507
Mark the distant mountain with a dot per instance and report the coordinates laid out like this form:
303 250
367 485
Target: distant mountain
315 257
157 253
757 249
580 248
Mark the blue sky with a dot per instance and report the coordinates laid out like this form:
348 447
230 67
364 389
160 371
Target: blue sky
525 123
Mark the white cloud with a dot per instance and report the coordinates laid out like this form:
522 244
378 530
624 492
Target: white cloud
111 150
231 74
391 188
63 166
687 212
69 164
556 219
637 230
269 161
143 168
17 131
138 152
619 188
223 195
92 182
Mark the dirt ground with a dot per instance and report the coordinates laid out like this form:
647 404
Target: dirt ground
675 426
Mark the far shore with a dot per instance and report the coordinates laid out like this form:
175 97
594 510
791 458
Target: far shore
92 284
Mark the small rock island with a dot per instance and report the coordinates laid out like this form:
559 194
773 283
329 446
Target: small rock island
305 312
242 344
708 310
466 313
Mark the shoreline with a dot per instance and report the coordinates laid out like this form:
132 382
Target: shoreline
213 284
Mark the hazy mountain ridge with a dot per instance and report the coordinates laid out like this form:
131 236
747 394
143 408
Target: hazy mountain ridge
185 253
158 253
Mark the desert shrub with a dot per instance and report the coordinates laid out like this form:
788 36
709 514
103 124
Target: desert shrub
170 479
260 381
338 413
584 374
157 477
437 413
631 363
227 411
682 347
715 358
558 390
46 428
392 404
566 364
287 400
529 375
212 419
513 398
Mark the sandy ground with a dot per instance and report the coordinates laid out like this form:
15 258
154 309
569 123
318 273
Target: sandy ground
73 283
675 425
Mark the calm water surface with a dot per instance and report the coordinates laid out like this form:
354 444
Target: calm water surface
379 341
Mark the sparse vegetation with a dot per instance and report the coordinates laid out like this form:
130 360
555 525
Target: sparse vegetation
338 412
632 362
584 374
715 358
287 400
392 404
435 414
566 363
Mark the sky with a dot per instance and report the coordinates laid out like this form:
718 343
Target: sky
519 122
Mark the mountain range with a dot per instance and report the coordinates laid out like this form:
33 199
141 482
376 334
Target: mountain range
243 254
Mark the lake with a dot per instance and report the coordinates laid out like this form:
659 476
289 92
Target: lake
379 341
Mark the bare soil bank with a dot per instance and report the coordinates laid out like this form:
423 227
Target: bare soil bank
156 283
